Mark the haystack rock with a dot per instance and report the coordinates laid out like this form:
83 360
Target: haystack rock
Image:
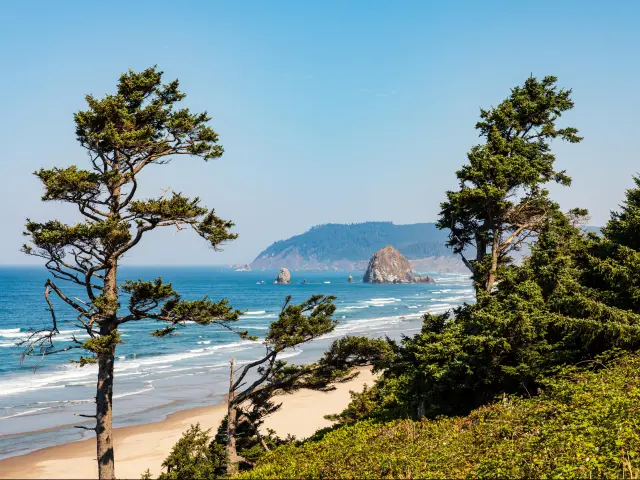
283 276
388 265
350 279
425 279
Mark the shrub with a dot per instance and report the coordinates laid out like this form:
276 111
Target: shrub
584 423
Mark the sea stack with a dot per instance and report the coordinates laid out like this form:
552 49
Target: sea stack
425 279
283 277
388 265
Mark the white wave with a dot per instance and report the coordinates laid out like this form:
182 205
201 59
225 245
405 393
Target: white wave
290 354
257 312
26 412
73 374
9 330
356 307
412 306
327 282
128 394
204 342
254 327
454 299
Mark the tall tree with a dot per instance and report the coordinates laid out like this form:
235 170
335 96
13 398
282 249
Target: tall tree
137 127
501 201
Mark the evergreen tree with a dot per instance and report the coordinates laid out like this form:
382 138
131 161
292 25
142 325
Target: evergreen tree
574 298
501 201
296 325
138 127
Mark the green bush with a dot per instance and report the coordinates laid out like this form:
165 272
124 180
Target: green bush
194 456
584 423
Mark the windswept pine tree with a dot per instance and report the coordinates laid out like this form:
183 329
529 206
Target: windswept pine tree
139 126
502 201
251 401
252 388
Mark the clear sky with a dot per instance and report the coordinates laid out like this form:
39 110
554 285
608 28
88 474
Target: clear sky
343 111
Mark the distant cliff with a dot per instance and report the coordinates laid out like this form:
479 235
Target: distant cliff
350 246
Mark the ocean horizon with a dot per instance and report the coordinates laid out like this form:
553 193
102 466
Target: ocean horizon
40 398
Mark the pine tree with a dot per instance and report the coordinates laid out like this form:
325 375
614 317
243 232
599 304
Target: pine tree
139 126
501 201
250 403
576 297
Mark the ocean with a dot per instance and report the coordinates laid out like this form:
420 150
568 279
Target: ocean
40 398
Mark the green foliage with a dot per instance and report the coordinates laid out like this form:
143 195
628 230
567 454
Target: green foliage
103 343
247 444
584 424
83 361
501 200
362 405
175 208
142 116
558 308
158 300
298 324
195 456
69 184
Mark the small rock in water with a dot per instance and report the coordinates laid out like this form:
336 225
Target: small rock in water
425 279
350 279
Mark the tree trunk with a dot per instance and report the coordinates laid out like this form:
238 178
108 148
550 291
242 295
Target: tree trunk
104 391
493 271
481 251
481 247
104 415
232 455
261 440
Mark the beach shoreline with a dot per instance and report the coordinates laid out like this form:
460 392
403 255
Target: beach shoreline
145 446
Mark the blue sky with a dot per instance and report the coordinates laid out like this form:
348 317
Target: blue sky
328 111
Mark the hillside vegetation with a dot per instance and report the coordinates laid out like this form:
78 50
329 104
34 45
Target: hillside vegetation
357 242
584 424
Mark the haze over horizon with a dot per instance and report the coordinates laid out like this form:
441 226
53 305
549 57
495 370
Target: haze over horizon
328 113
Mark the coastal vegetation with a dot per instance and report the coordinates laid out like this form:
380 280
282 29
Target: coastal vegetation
123 134
502 200
582 424
239 442
538 377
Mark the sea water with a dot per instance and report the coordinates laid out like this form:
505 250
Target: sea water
41 397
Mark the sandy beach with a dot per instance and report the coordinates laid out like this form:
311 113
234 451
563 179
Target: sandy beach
145 446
